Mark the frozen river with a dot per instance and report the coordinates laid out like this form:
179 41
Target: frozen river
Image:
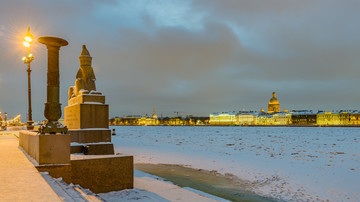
282 162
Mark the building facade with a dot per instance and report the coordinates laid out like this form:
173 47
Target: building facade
303 117
224 118
328 118
247 118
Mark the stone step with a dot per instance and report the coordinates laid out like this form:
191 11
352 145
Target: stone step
65 192
92 148
90 135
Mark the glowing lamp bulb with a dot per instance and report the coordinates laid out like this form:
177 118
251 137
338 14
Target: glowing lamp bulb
24 58
26 44
30 55
28 39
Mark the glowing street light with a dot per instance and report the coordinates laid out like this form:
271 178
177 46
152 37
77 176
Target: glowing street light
27 60
5 118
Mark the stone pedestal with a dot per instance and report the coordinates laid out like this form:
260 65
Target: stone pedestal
100 174
87 111
87 118
103 174
46 149
90 135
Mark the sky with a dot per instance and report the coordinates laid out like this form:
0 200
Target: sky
189 56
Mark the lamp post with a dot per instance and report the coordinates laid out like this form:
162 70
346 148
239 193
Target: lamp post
5 119
27 60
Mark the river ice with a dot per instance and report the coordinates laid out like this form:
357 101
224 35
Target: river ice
286 163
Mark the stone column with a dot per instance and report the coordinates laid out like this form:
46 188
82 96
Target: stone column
52 105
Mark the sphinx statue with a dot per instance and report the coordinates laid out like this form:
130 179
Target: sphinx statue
85 77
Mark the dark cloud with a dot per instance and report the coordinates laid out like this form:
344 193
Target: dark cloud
195 56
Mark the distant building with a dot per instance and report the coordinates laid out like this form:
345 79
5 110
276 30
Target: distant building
199 121
343 117
281 118
328 118
355 118
174 121
303 117
273 105
263 119
247 118
224 118
131 120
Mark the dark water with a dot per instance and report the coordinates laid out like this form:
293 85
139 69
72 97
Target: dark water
226 187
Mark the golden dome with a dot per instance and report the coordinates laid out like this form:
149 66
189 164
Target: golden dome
273 100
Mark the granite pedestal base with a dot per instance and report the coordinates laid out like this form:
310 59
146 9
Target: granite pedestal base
100 174
90 135
87 111
91 141
93 149
46 149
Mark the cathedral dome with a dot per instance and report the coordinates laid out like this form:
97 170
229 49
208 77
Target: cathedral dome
274 100
273 105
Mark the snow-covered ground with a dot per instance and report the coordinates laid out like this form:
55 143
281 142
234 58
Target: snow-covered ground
283 162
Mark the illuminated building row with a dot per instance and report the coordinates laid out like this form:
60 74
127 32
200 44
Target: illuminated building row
248 118
302 117
166 121
275 117
137 120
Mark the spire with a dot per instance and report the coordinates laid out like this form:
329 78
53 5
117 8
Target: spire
274 94
154 116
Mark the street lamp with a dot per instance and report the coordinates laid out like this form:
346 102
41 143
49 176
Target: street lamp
5 119
27 60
